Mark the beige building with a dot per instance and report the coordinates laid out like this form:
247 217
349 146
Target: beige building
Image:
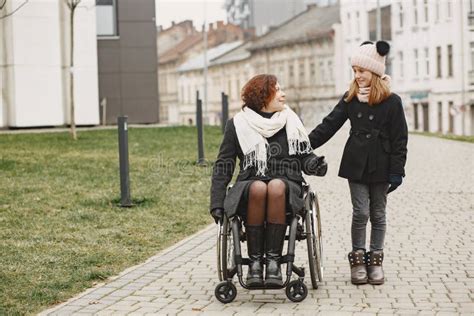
180 43
302 53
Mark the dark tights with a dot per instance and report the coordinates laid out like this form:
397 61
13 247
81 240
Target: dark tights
266 202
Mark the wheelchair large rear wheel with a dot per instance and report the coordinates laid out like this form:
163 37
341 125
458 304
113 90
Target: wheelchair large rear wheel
225 249
314 241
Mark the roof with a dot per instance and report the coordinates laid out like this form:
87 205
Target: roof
173 53
316 22
198 61
238 53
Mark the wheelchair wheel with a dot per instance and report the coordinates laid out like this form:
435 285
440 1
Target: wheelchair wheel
314 241
296 291
225 249
225 292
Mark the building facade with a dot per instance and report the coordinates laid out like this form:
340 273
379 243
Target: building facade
263 15
34 64
431 58
305 62
189 46
127 55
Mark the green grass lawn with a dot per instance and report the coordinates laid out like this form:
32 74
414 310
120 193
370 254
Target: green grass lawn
61 230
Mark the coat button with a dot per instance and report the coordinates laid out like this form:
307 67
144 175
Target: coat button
368 135
359 115
371 117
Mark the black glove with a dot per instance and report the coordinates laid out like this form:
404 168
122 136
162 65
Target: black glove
217 214
316 166
395 181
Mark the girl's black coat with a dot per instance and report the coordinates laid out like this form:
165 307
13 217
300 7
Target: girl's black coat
377 144
279 164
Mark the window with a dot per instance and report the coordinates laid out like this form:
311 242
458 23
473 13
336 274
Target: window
450 60
425 7
357 22
301 70
348 24
427 61
415 12
351 71
106 17
471 45
449 9
440 116
400 58
322 70
451 116
312 70
291 75
417 68
437 10
330 70
400 15
438 62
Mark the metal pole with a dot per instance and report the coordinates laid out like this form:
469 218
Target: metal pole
123 157
199 128
225 110
378 22
104 111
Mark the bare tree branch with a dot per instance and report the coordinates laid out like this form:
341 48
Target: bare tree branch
2 4
13 12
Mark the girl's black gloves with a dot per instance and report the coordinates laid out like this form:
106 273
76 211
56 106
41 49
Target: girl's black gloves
395 181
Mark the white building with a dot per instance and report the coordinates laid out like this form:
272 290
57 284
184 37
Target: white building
34 59
431 59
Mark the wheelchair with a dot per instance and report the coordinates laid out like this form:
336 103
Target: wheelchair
303 226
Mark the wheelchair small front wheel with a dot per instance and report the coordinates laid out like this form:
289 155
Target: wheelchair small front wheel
225 292
296 291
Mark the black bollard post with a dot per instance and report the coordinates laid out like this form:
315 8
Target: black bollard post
123 158
225 110
199 128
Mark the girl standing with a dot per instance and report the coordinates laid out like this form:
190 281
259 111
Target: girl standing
374 156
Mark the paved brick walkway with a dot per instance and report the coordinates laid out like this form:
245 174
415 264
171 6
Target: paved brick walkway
429 253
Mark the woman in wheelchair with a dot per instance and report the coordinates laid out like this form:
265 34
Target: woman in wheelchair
273 149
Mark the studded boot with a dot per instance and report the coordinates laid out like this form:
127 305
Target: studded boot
374 267
358 268
255 244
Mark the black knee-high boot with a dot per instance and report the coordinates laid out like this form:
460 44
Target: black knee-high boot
274 239
255 244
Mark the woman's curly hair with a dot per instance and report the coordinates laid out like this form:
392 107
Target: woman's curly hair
259 91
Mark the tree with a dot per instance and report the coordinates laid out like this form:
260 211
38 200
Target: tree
72 5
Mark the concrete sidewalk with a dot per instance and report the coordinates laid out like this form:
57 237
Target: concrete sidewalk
428 254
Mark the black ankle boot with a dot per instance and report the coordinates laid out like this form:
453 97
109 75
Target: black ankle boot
274 239
255 252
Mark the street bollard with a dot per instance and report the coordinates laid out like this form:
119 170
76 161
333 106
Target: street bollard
199 128
225 109
123 158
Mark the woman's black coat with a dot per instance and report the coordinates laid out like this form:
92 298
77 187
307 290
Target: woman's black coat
377 144
279 164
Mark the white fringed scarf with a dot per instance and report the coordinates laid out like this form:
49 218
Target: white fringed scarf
253 130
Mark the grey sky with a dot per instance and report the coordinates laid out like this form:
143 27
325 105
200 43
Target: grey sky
179 10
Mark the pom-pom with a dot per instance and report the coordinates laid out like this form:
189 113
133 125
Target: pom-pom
382 48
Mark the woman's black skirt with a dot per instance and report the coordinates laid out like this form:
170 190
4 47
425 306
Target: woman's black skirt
236 199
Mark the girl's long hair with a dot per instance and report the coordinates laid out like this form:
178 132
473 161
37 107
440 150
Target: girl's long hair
379 90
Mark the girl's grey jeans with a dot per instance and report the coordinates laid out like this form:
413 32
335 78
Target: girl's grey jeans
368 202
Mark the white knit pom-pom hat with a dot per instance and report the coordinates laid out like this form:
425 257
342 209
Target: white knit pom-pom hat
371 56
